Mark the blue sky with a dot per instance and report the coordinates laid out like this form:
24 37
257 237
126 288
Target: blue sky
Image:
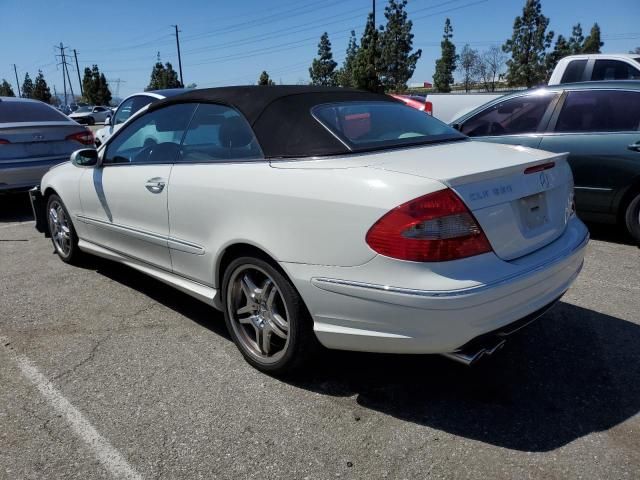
231 42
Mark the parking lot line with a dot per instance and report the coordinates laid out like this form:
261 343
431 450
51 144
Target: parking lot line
110 458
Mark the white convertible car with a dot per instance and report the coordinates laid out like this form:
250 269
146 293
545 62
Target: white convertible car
333 216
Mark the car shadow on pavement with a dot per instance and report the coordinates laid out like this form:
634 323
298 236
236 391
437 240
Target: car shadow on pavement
573 372
15 207
610 233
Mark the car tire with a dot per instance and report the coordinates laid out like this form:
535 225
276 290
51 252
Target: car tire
266 317
63 234
632 218
91 121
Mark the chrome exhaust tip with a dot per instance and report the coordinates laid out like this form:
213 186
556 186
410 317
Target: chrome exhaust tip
471 356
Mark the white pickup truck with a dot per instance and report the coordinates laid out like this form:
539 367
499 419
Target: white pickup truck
596 67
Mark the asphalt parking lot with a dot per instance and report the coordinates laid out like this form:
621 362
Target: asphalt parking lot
106 373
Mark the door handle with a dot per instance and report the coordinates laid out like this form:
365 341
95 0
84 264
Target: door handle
634 147
155 185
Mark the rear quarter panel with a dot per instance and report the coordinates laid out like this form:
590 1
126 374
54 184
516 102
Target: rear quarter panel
312 216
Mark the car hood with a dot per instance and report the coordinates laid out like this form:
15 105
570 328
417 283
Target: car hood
81 114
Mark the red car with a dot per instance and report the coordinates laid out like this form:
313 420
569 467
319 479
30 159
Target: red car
415 101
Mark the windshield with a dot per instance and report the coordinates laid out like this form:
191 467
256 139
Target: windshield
83 109
380 125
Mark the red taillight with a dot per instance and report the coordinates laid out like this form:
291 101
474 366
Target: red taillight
539 168
4 142
433 228
428 108
85 137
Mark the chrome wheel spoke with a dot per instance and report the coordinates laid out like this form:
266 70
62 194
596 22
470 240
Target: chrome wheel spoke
280 322
249 288
247 320
248 308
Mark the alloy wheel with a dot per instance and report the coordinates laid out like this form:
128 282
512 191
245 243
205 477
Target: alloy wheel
59 228
258 313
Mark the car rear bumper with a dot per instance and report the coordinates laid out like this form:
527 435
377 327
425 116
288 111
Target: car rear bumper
408 307
25 174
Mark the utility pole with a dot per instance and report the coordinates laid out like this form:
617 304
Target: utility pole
374 13
75 54
179 57
117 81
73 98
64 71
17 81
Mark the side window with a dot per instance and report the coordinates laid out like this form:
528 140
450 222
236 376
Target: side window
574 71
614 70
152 138
512 117
124 111
600 111
218 133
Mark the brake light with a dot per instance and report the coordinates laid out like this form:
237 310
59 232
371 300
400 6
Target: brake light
539 168
4 142
85 137
428 108
432 228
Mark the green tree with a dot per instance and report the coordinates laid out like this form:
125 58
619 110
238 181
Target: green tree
576 40
6 90
365 68
265 80
89 87
636 51
323 69
593 42
345 74
41 90
561 49
396 58
528 45
469 66
27 87
446 64
104 93
163 76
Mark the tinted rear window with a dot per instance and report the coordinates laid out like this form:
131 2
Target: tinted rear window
600 111
614 70
15 112
574 71
379 125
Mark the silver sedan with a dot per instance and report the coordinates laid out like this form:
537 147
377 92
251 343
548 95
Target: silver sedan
33 137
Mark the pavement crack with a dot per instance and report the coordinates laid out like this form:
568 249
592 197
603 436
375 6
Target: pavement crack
84 361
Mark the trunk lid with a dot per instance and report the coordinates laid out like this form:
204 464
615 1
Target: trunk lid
521 197
31 141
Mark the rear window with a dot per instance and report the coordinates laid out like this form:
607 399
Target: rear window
18 112
614 70
379 125
574 71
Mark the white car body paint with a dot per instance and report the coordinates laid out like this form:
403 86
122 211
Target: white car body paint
312 215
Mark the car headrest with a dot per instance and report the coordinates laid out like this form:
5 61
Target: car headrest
235 133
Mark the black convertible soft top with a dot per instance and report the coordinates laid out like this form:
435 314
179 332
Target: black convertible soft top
281 115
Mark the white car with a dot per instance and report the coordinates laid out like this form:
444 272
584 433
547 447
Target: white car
337 216
596 67
130 106
90 115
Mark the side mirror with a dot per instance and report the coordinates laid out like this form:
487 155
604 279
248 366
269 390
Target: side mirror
86 157
107 121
